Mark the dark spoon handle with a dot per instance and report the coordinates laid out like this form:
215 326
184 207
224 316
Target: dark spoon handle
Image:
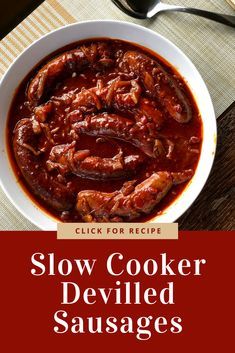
228 20
225 19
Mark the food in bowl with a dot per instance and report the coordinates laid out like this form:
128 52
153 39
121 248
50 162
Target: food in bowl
104 131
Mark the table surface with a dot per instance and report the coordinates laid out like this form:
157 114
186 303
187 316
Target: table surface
214 208
13 12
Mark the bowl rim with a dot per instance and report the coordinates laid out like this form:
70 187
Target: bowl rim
143 29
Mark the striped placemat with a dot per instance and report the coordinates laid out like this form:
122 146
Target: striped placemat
231 2
209 45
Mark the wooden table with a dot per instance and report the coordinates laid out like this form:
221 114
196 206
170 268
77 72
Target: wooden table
13 12
215 207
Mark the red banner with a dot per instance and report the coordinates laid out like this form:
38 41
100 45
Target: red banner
189 308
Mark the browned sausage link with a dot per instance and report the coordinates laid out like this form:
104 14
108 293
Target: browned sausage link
119 94
116 126
130 202
93 99
27 156
56 69
65 64
159 84
108 168
67 160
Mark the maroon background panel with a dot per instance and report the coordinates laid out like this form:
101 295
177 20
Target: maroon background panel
205 303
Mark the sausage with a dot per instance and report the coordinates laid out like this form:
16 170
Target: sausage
96 98
27 156
109 168
159 85
116 126
67 160
129 202
67 63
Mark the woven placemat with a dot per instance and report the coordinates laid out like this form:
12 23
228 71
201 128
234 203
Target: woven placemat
231 3
209 45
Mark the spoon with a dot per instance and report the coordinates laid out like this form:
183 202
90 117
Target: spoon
149 8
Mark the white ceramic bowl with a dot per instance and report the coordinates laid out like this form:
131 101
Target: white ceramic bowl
113 29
